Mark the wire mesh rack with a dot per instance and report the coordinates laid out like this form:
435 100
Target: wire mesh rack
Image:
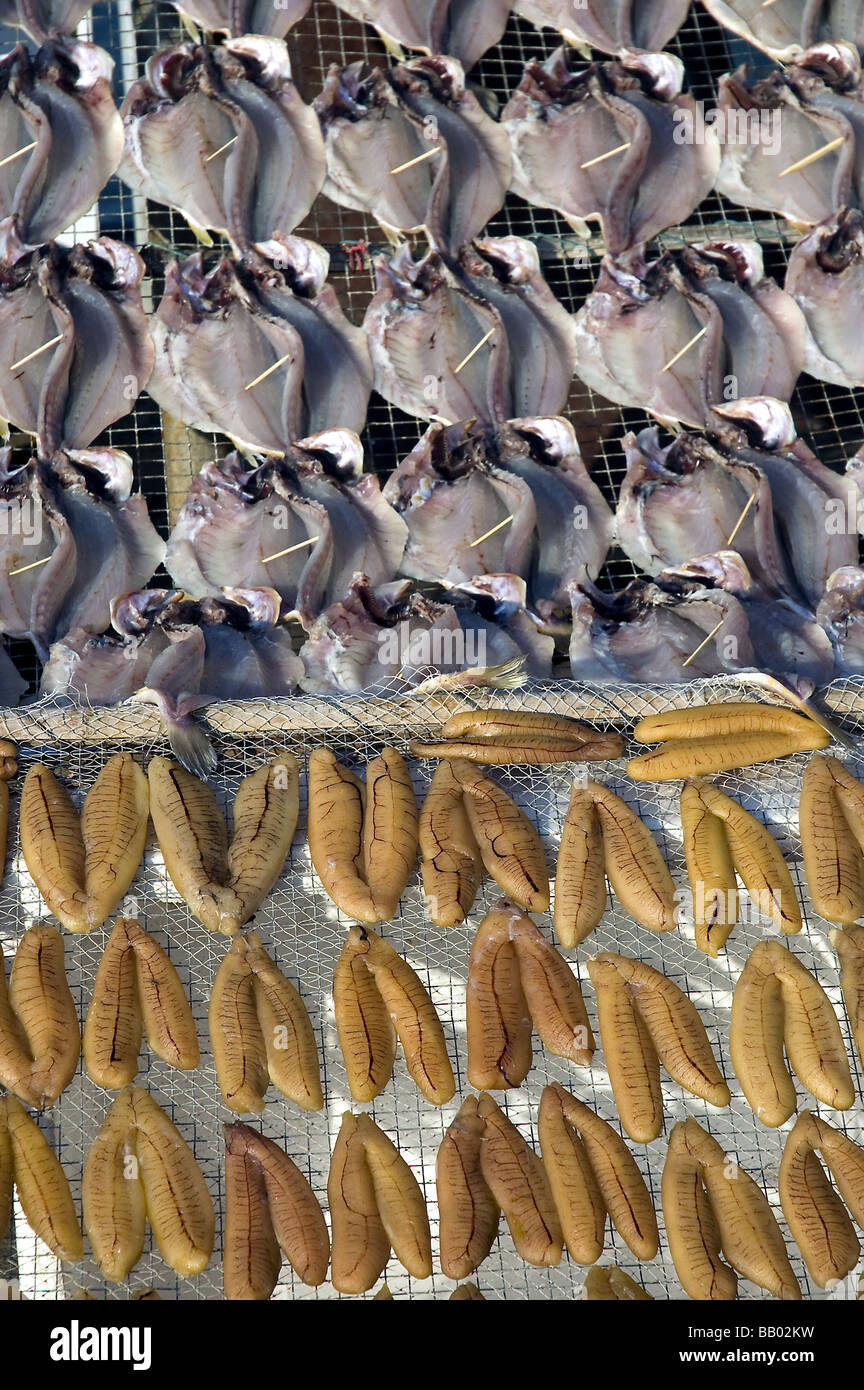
304 932
298 923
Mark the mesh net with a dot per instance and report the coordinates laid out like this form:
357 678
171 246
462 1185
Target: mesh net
298 923
304 932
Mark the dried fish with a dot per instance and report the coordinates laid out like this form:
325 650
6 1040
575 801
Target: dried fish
465 29
686 334
700 495
841 613
459 482
85 299
826 279
217 331
237 520
609 25
669 630
784 28
375 639
484 340
815 102
223 135
97 538
179 654
44 19
57 104
239 17
414 147
564 118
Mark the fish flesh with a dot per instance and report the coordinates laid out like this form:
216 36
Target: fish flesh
652 631
787 27
773 501
219 334
179 654
811 103
223 135
609 25
86 296
484 339
378 640
785 636
638 333
58 100
376 121
237 518
44 19
527 484
564 115
465 29
81 516
825 277
238 17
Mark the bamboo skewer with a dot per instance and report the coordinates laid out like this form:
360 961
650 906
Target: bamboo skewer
37 352
409 164
221 149
712 633
310 540
740 522
465 360
598 159
25 149
686 348
812 158
36 563
268 372
487 534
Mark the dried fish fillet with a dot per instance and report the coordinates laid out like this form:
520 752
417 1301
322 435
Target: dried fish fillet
259 350
777 122
44 19
608 25
826 279
238 17
377 121
223 135
96 538
719 331
237 520
564 116
461 482
486 340
463 28
785 29
58 100
88 297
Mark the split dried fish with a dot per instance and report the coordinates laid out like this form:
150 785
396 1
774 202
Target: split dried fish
379 127
237 519
222 135
58 100
216 331
609 25
565 115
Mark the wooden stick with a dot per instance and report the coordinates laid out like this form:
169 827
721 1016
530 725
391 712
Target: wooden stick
474 351
487 534
740 522
310 540
766 3
33 566
811 158
427 154
269 372
221 149
619 149
25 149
712 633
686 348
37 352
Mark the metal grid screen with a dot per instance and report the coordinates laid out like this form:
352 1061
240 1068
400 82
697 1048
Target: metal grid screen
298 923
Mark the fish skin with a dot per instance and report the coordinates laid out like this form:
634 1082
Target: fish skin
608 27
